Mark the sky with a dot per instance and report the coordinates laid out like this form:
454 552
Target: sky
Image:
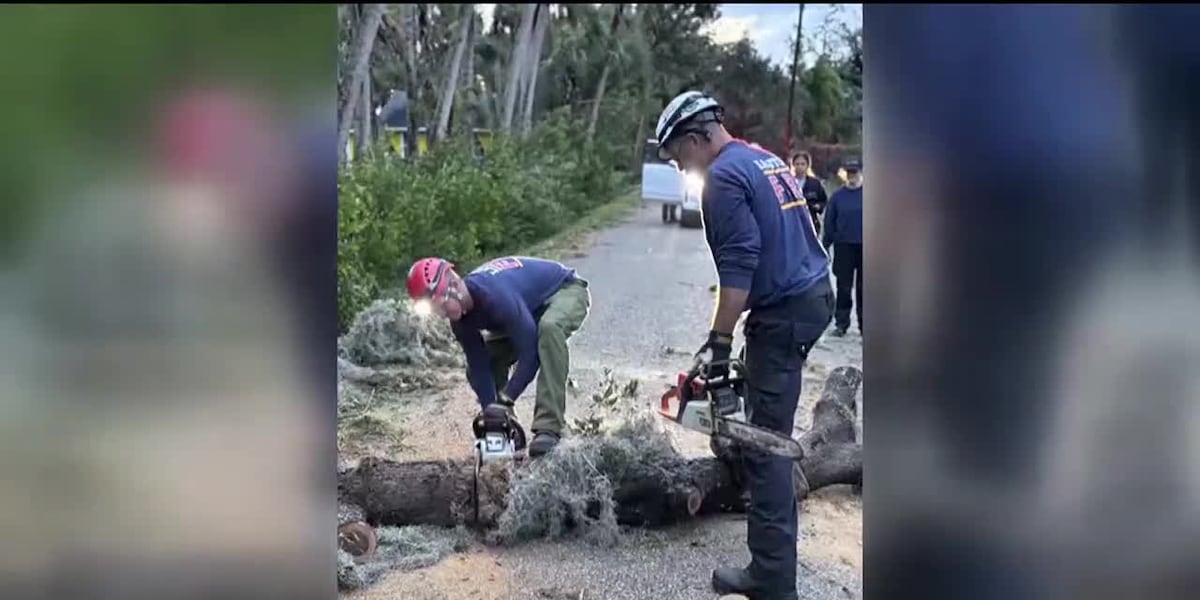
769 26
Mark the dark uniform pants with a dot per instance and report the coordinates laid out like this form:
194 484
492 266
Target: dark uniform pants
848 272
778 339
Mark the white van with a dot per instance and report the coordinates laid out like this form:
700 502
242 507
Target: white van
677 191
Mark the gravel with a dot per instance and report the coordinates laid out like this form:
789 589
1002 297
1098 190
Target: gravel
651 308
672 564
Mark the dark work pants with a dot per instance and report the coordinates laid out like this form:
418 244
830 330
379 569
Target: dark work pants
777 343
848 272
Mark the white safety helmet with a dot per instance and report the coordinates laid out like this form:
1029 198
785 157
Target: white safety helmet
693 106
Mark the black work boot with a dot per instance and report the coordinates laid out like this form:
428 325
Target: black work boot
543 442
839 331
728 580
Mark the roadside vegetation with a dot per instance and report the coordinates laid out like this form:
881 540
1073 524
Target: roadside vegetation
567 96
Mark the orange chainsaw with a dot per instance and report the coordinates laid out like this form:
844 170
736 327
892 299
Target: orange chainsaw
717 408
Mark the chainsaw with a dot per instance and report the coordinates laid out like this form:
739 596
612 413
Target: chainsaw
497 435
717 407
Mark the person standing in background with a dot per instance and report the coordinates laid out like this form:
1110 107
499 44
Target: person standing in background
810 186
844 232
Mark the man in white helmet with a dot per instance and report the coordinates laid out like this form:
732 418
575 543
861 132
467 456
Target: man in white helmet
769 261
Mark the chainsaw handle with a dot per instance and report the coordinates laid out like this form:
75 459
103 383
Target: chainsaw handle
701 368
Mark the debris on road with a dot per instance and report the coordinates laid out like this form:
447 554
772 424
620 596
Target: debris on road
388 332
400 548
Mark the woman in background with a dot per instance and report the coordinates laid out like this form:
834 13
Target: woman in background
810 186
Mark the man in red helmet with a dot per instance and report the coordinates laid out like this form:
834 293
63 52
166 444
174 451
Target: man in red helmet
528 308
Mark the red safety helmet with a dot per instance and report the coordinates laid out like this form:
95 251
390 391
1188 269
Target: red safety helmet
428 278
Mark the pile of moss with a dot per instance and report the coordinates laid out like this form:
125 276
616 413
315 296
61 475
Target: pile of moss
388 332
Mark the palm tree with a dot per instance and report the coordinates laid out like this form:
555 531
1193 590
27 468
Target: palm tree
364 41
447 102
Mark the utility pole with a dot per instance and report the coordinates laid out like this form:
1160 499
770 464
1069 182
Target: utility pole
792 91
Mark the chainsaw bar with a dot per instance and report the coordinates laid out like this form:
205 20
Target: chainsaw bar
759 438
752 436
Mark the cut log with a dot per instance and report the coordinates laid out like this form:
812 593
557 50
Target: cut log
447 493
439 493
358 539
692 488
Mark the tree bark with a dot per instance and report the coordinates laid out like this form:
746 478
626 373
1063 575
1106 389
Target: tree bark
447 102
365 137
523 80
468 80
608 61
832 454
443 493
792 90
516 65
829 465
469 88
365 126
531 70
364 40
645 40
835 413
639 144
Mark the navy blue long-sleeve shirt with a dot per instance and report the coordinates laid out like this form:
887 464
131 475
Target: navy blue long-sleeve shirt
508 294
758 226
843 217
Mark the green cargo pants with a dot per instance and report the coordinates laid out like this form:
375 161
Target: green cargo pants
563 314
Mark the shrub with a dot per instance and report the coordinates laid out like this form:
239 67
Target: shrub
449 203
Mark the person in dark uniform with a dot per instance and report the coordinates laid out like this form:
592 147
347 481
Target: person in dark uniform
844 232
537 305
810 186
769 260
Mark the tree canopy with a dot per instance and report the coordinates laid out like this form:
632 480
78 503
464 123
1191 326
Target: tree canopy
629 59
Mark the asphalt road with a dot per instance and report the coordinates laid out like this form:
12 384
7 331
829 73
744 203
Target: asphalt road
651 308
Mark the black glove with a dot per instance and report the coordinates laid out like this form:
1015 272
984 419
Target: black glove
503 398
500 415
715 352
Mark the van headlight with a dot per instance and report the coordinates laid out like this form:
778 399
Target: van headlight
693 183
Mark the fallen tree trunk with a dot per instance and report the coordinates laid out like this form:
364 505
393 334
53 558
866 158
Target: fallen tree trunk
832 454
831 464
835 413
447 493
439 493
444 493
